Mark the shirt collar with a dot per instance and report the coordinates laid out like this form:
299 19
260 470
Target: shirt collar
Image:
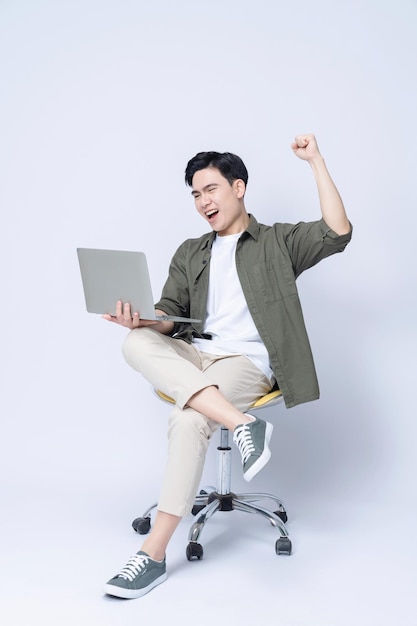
253 228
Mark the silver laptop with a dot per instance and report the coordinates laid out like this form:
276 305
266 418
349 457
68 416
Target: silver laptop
112 275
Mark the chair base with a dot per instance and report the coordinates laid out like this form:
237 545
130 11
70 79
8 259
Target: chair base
221 498
209 503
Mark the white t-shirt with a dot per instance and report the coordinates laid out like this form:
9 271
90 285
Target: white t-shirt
229 321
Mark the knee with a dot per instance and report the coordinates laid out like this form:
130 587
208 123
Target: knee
133 345
189 425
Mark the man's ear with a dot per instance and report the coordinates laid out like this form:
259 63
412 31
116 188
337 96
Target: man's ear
239 187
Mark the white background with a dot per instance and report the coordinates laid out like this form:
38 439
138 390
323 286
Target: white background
102 104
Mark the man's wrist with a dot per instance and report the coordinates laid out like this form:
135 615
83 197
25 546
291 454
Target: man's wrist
317 162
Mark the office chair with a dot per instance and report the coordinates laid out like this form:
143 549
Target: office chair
221 498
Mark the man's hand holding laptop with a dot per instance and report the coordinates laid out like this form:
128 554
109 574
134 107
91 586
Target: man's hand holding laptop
125 318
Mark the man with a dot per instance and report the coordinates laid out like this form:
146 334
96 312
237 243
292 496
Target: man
239 280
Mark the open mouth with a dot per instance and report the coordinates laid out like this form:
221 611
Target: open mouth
210 215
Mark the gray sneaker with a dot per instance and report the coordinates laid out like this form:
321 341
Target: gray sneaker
139 575
252 440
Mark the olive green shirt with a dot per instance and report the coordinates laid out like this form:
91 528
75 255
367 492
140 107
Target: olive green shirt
269 259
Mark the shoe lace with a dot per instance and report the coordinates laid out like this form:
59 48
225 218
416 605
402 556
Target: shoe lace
134 565
243 439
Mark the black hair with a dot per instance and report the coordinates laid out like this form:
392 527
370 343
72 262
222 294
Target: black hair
229 165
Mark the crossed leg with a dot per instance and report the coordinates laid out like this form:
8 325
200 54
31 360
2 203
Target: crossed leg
209 391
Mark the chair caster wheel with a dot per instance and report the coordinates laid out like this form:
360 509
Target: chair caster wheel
283 546
194 551
141 525
282 514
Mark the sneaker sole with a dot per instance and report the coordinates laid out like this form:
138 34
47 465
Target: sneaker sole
130 594
264 458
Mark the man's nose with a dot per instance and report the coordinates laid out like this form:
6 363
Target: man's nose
205 200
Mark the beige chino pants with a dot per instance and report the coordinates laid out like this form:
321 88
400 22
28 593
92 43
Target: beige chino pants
180 370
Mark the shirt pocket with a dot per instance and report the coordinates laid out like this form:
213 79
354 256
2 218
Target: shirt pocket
276 281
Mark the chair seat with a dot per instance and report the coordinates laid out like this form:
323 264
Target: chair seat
273 397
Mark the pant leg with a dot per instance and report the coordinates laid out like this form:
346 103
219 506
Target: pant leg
189 432
171 365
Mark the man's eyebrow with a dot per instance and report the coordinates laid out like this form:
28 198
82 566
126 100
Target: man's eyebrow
195 192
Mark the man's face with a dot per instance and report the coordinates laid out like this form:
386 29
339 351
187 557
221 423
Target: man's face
219 202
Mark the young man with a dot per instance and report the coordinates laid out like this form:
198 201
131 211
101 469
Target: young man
239 279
